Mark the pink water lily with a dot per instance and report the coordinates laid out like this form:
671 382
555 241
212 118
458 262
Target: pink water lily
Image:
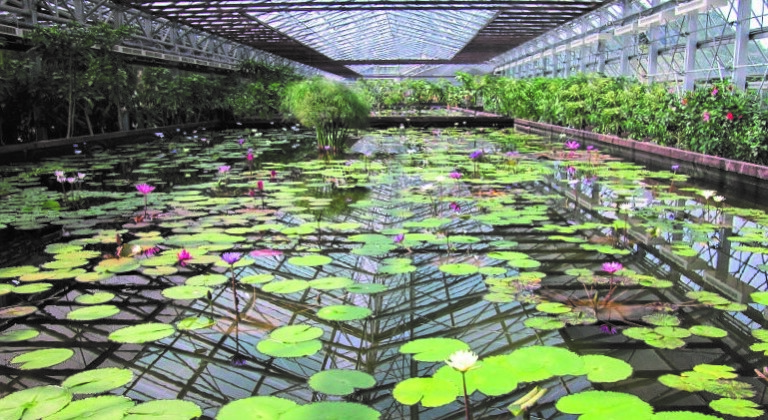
455 175
145 188
183 256
572 145
612 267
224 169
265 253
231 257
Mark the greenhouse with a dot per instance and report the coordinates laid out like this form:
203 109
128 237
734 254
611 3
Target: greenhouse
401 209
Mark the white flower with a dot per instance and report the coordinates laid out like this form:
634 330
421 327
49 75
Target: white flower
462 360
427 187
707 194
718 199
439 178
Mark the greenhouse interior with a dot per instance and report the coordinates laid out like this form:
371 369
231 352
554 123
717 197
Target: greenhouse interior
400 209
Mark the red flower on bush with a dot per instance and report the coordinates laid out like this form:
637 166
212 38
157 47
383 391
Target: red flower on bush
729 116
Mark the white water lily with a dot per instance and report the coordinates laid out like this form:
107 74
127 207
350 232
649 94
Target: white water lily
462 360
707 194
718 199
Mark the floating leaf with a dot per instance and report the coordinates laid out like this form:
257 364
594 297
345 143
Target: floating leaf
164 409
186 292
544 323
343 313
13 272
431 392
708 331
605 369
330 283
605 405
460 269
662 319
34 403
30 289
340 381
257 408
194 323
257 279
106 407
207 280
682 415
736 407
90 313
757 297
366 288
276 348
286 286
331 410
142 333
16 311
534 363
42 358
97 380
118 265
18 335
94 299
310 260
435 349
553 308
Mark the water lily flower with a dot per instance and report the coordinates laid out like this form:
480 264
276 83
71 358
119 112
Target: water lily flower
272 174
183 256
512 154
145 188
59 174
571 170
249 156
80 175
455 175
707 194
327 148
224 169
718 199
675 168
572 145
729 116
231 257
71 180
612 267
398 238
590 148
608 329
455 207
462 360
240 141
715 91
477 154
238 360
705 116
260 185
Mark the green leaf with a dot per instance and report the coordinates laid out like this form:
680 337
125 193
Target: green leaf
42 358
94 299
13 272
276 348
256 408
257 279
535 363
296 333
605 405
18 335
30 289
343 313
164 410
665 342
206 280
331 410
436 349
340 381
34 403
605 369
760 297
460 269
544 323
330 283
286 286
186 291
142 333
90 313
106 407
682 415
97 380
708 331
431 392
366 288
553 307
194 323
736 407
310 260
662 319
16 311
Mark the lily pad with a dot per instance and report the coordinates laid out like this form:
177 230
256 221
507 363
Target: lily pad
330 283
313 260
331 410
18 335
737 407
431 392
94 299
194 323
257 408
90 313
97 380
343 313
42 358
708 331
30 289
602 368
366 288
435 349
257 279
276 348
164 409
106 407
605 405
340 381
296 333
13 272
207 280
459 269
142 333
118 265
34 403
186 292
286 286
544 323
16 311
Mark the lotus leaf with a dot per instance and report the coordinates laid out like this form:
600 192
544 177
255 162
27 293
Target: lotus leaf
42 358
340 381
97 380
34 403
164 409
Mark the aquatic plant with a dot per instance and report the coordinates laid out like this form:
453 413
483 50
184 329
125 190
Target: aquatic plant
145 190
463 361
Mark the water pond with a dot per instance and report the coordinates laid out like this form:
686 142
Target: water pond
427 275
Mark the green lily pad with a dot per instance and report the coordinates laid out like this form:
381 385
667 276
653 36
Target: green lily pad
331 410
340 381
524 263
164 409
459 269
90 313
544 323
97 380
93 276
6 288
665 342
142 333
605 405
276 348
534 363
343 313
118 265
366 288
18 335
94 299
435 349
13 272
682 415
16 311
662 320
286 286
708 331
605 369
330 283
42 358
105 407
186 292
313 260
431 392
258 408
492 271
553 308
206 280
257 279
737 407
34 403
194 323
30 289
757 297
296 333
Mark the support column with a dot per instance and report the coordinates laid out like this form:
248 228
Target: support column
690 52
583 56
743 16
602 57
626 43
654 33
79 14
